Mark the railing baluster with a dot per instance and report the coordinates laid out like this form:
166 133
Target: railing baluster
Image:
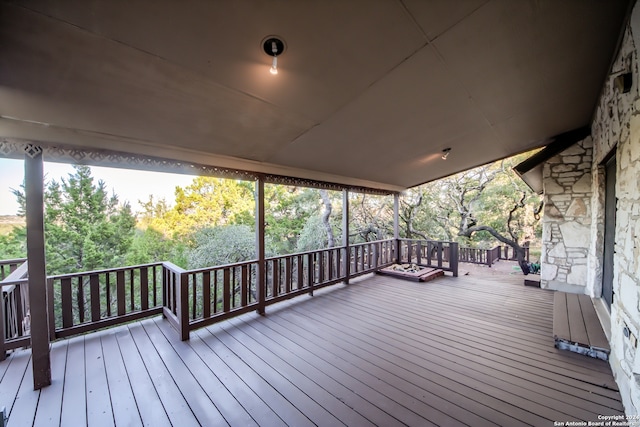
132 293
144 288
80 299
94 295
226 290
275 277
206 294
288 275
120 297
245 282
67 303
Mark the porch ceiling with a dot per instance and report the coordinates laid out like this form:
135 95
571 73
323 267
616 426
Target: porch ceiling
368 93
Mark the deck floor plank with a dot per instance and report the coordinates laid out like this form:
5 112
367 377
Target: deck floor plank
422 377
255 406
173 401
271 395
99 410
17 366
50 403
576 321
597 338
459 361
225 402
147 400
472 351
74 398
123 402
199 401
327 402
24 409
289 351
476 332
454 355
480 342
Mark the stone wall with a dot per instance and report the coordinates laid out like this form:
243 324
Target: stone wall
567 219
573 227
616 128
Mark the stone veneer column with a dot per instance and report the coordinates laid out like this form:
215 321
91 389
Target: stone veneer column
567 218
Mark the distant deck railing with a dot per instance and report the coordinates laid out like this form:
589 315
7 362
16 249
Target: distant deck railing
191 299
489 256
428 253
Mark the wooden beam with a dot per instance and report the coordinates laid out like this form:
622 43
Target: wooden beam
396 226
346 259
34 195
260 223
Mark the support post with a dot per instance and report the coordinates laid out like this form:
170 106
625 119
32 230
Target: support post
346 258
260 223
34 195
182 304
396 226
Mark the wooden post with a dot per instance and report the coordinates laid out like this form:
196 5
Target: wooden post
261 276
453 258
182 304
396 226
346 258
34 194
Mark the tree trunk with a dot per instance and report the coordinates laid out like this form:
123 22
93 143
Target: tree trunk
325 218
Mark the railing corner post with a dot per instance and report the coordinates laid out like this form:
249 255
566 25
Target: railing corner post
183 306
453 260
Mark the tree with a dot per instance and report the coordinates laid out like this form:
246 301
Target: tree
206 202
14 244
223 245
85 229
476 207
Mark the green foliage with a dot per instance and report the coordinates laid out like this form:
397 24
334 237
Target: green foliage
85 229
206 202
150 246
222 245
482 196
313 235
14 244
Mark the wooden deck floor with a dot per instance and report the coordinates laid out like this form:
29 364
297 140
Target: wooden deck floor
455 351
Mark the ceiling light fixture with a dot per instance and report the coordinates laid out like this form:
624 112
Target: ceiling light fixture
274 47
445 153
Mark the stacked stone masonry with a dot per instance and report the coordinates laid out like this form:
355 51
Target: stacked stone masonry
573 227
567 218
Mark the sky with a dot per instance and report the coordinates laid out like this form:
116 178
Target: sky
129 185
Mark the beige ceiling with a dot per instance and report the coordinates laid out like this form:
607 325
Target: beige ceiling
369 92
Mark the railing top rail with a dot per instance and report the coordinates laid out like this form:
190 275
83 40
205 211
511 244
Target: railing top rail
216 267
10 283
423 240
106 270
171 266
333 248
12 261
368 243
18 274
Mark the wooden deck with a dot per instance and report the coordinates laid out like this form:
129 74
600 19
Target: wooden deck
382 351
576 326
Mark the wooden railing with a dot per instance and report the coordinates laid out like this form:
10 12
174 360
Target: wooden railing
220 292
8 266
14 311
479 256
83 302
428 253
191 299
509 253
